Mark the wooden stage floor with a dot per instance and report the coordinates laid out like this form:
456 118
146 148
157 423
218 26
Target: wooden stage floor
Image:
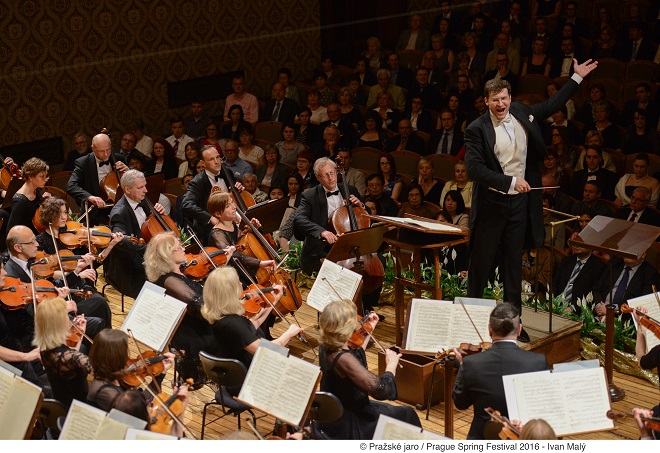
639 393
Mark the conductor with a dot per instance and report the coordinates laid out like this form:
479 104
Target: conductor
504 153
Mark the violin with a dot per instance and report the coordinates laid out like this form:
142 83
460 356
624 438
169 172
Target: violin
159 418
46 270
75 235
508 432
653 423
255 298
464 349
17 294
201 264
363 331
645 320
156 223
136 371
75 334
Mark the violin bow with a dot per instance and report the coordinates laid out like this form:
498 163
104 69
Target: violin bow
655 293
201 247
144 362
254 429
167 409
470 318
89 232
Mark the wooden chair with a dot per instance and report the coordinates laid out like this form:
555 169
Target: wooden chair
406 162
642 70
609 68
619 160
271 131
410 58
172 198
533 84
366 158
610 204
60 179
173 186
434 118
443 166
424 136
434 208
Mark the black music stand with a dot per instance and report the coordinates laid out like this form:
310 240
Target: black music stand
355 244
13 187
625 240
269 213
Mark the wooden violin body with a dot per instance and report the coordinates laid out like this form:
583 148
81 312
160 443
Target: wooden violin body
69 263
157 223
508 432
360 334
8 172
644 319
464 349
160 419
253 299
136 371
17 294
76 235
200 266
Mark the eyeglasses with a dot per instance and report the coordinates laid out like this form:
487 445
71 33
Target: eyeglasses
33 241
329 174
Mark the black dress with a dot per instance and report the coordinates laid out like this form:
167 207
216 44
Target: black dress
360 413
222 239
67 371
232 334
102 394
22 211
194 333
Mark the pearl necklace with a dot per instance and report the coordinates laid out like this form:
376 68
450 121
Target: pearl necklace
639 180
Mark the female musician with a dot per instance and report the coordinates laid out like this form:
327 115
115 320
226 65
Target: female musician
67 368
108 357
236 337
133 402
27 199
648 360
162 261
345 374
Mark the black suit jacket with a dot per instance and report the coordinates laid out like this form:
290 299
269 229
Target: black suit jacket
170 168
484 168
456 142
310 221
649 216
606 179
646 50
347 134
510 77
584 282
424 121
414 143
279 178
557 61
193 204
404 77
479 381
430 94
84 182
288 111
639 284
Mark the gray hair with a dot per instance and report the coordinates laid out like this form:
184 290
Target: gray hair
129 178
322 162
383 72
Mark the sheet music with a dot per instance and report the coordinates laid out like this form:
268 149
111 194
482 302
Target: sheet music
389 428
6 384
338 280
299 376
83 422
154 316
652 306
571 402
428 225
18 403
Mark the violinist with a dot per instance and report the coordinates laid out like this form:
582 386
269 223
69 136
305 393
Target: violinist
345 374
88 173
162 260
22 246
648 360
642 417
67 368
236 337
109 356
479 381
27 199
196 197
124 265
133 402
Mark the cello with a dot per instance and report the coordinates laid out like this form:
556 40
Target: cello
8 172
243 199
110 183
156 223
350 218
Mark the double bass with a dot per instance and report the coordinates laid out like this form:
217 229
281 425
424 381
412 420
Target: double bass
110 183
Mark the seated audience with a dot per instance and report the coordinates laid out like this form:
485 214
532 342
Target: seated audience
406 139
387 171
461 183
273 173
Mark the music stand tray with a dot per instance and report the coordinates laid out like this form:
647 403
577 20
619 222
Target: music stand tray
270 214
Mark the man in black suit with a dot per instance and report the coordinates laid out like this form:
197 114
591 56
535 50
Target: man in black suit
502 71
577 275
437 77
579 24
448 139
606 179
637 212
637 47
347 134
479 381
423 88
280 108
504 152
85 181
642 101
562 63
193 204
80 149
406 139
399 75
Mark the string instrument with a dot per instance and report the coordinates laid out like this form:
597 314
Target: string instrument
363 331
46 270
350 218
651 324
256 245
160 419
464 349
242 199
156 223
76 235
508 432
75 334
36 221
201 264
8 172
136 371
652 423
110 183
255 298
17 294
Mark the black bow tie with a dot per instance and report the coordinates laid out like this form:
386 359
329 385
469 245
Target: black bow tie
568 56
329 194
107 162
218 177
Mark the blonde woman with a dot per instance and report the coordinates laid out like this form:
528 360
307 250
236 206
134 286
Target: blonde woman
345 374
461 183
67 368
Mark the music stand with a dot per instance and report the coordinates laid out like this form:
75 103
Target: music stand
13 187
355 244
623 239
270 213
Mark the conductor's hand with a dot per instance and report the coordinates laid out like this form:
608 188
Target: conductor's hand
521 186
329 237
585 68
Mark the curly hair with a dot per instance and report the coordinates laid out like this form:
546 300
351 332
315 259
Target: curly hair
32 167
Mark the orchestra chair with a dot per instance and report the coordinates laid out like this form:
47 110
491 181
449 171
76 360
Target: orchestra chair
60 179
326 408
642 70
366 158
406 162
47 420
224 373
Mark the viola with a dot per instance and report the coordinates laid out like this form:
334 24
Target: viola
76 235
464 349
652 423
160 419
508 432
363 331
17 294
69 263
645 320
255 298
136 371
156 223
201 264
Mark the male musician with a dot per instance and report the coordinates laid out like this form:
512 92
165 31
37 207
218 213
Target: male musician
85 181
504 150
193 204
124 265
22 247
479 381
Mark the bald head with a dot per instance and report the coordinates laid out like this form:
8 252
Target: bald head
18 238
102 147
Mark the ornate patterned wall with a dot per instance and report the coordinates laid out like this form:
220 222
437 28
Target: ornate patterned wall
70 65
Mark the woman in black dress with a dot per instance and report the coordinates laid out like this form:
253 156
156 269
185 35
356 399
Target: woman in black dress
162 261
27 199
164 160
67 368
345 375
237 118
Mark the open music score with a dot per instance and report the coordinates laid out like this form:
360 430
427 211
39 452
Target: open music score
84 422
389 428
333 282
424 225
653 308
572 402
438 325
20 402
280 385
155 316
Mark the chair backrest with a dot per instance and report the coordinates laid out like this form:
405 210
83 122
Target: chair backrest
424 136
609 68
613 89
434 208
50 411
173 186
443 166
56 192
60 179
619 160
224 372
271 131
326 408
172 198
642 70
366 158
406 162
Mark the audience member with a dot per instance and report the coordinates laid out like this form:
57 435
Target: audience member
414 205
393 184
431 187
449 138
272 173
502 47
319 112
594 172
373 135
178 140
144 143
247 101
80 149
400 76
639 178
503 71
289 147
385 86
637 210
290 91
347 134
354 177
195 123
591 194
279 108
414 38
308 133
326 94
164 160
406 139
538 62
